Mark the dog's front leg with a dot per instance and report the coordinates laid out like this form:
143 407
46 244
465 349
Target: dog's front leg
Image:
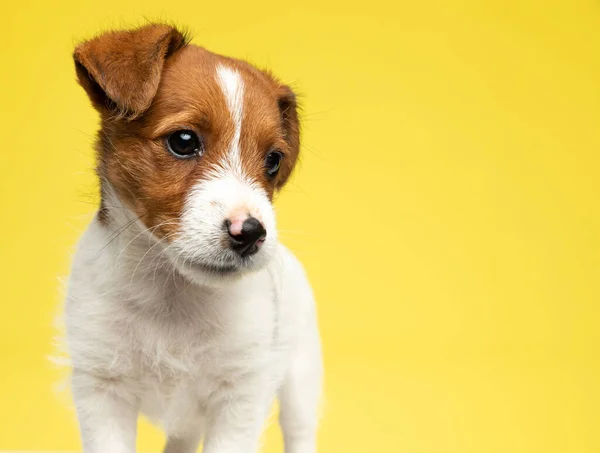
236 417
107 412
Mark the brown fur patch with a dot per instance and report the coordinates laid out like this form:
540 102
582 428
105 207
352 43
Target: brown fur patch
146 84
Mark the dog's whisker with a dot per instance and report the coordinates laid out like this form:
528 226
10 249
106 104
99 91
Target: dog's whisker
145 254
150 230
119 232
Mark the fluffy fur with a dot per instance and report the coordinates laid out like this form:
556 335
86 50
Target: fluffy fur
162 317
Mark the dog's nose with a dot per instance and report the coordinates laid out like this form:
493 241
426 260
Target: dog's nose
246 234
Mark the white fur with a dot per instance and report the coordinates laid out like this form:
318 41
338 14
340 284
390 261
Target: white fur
209 203
202 360
187 332
232 85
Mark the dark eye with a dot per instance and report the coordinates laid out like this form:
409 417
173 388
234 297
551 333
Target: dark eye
273 162
184 144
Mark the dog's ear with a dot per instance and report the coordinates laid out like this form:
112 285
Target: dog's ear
288 109
121 70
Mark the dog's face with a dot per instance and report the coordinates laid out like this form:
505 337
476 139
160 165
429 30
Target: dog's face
195 144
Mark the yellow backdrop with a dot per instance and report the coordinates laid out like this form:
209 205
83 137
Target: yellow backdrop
446 208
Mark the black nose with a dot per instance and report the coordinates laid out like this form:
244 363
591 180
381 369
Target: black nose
250 239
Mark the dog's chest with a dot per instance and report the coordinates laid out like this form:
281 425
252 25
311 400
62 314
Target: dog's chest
190 354
207 335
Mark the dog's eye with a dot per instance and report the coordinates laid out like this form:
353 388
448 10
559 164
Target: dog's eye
273 162
184 144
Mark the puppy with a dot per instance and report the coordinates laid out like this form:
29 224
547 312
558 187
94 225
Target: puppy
182 305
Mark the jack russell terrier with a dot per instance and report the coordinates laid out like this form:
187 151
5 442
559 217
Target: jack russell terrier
182 305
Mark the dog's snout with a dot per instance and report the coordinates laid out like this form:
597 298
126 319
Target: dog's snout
246 234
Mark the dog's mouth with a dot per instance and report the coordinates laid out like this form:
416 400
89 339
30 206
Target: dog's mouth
215 269
218 266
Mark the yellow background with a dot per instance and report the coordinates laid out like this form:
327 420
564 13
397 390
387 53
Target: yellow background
446 209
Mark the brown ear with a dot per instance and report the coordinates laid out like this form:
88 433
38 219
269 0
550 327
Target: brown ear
288 108
121 70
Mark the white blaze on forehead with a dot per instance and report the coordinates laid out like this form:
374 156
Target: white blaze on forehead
232 85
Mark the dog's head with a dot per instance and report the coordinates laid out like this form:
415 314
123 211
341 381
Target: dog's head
193 143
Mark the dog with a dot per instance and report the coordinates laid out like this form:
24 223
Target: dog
181 304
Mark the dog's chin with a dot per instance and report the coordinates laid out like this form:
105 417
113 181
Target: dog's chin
218 274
